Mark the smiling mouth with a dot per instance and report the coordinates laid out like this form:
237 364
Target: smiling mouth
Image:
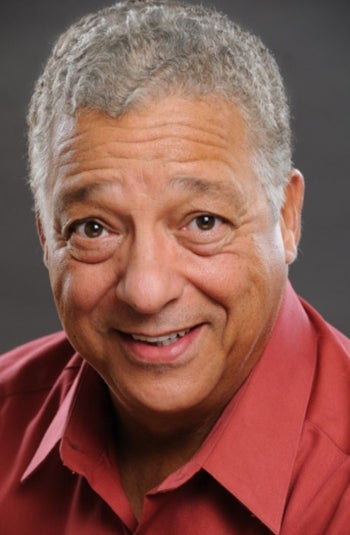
158 341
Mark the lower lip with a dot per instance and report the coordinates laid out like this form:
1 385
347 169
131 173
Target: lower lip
175 353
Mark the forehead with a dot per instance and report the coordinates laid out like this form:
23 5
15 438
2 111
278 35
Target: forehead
206 120
174 138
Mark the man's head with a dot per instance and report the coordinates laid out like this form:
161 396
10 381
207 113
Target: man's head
160 159
136 51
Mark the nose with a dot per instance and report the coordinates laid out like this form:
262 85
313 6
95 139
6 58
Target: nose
149 278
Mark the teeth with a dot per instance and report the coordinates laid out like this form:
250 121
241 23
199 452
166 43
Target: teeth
160 340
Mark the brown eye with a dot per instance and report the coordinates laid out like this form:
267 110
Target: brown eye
89 229
93 229
205 222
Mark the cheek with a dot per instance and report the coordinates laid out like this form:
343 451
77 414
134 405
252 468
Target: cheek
227 275
250 272
78 288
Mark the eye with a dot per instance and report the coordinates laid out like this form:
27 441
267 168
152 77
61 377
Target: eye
206 234
205 222
88 229
91 240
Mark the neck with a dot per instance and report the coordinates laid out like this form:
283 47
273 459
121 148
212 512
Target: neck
181 430
147 454
166 436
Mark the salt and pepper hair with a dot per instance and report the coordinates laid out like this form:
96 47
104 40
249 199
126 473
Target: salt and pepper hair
138 50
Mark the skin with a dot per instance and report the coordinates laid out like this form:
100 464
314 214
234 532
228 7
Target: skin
156 223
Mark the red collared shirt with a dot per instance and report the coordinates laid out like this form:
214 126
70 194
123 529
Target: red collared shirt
277 461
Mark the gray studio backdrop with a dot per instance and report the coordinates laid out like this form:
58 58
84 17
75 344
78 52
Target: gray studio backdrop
311 42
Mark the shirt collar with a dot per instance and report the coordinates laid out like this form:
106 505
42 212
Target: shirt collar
77 440
259 431
55 431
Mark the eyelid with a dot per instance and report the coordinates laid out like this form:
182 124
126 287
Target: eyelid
206 241
72 227
218 220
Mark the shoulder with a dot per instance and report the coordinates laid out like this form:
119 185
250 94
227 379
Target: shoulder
327 334
36 364
34 380
329 406
320 490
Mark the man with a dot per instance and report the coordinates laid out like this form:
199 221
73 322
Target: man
191 391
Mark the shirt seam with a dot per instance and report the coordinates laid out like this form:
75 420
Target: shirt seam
326 435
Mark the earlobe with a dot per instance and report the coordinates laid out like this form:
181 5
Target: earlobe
290 219
42 237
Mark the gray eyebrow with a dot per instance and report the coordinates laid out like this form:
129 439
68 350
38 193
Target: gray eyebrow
79 193
218 190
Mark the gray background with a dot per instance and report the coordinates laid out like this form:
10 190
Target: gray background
311 40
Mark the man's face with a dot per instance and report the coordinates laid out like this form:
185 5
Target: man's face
166 264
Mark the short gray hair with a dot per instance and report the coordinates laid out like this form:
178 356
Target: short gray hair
141 49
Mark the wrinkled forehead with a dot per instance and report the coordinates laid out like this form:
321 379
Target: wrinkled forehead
173 122
176 140
174 146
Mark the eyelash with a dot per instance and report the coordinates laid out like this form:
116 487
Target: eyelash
91 240
75 226
208 219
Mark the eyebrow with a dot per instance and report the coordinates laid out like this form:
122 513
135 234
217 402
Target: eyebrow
81 193
218 190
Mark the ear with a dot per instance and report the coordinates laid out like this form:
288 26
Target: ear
42 237
290 217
